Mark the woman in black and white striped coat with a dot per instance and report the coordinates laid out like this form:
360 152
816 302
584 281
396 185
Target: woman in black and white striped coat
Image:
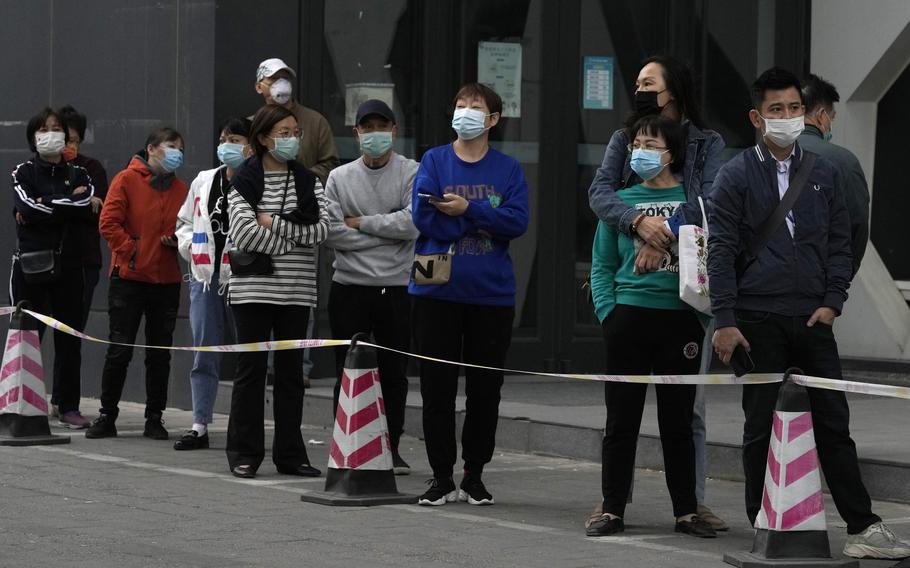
277 216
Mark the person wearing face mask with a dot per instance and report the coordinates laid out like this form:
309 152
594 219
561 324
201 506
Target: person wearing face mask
371 230
52 200
202 240
138 222
647 329
469 201
278 216
664 87
317 151
779 278
76 125
275 83
819 97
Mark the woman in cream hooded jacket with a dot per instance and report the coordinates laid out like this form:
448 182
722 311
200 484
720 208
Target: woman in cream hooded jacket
202 227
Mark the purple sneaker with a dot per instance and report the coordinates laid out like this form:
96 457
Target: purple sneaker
74 420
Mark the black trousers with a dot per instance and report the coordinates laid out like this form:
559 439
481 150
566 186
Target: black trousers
61 300
472 334
128 302
643 341
90 278
385 312
780 342
246 426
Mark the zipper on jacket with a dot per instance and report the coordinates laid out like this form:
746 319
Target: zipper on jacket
132 263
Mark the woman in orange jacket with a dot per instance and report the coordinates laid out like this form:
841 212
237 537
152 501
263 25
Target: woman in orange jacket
138 222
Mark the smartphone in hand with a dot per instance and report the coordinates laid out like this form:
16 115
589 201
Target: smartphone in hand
429 198
741 361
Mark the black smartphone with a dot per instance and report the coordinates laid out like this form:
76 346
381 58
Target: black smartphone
741 362
429 198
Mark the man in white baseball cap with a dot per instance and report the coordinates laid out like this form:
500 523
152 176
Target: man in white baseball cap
275 82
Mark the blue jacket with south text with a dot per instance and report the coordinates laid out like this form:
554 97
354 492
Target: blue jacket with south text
497 212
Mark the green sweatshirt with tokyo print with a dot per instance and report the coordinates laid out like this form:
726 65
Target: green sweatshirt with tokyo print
613 277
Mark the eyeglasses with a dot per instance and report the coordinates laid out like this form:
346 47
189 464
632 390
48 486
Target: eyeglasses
637 146
287 134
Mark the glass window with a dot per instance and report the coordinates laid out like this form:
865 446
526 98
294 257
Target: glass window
369 54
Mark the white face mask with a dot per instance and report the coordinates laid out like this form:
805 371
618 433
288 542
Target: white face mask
50 143
784 131
281 90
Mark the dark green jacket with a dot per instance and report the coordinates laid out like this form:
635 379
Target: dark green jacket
853 187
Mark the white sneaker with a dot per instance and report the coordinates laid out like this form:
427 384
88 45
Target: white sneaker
877 541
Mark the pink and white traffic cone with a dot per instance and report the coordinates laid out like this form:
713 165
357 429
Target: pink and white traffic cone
360 459
790 529
23 402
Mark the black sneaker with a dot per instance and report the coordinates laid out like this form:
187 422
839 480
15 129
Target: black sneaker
473 491
604 525
441 491
154 427
192 441
399 466
102 427
696 527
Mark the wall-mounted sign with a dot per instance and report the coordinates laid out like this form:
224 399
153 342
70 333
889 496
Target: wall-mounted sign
598 82
499 67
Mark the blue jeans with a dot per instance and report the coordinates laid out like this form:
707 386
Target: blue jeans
699 422
210 318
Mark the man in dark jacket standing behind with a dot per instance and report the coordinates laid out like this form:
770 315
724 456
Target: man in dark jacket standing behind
819 97
779 300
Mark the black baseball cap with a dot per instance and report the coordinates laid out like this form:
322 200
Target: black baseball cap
377 107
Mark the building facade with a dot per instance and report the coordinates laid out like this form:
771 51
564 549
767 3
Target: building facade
565 69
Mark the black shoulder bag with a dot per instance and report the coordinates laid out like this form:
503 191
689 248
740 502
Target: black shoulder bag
45 266
773 222
245 263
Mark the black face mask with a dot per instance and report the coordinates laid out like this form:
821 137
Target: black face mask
646 103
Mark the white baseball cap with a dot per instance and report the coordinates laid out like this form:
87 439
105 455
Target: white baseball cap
271 66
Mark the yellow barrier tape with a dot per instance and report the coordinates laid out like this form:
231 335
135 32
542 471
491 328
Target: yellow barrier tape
851 386
279 345
703 379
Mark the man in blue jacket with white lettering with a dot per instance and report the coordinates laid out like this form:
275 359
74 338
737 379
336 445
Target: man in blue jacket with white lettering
776 290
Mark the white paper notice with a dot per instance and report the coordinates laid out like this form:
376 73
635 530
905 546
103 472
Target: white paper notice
499 67
358 93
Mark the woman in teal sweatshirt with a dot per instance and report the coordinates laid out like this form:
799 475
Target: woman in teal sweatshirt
647 329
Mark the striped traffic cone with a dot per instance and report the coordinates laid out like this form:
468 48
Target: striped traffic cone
790 529
23 406
360 459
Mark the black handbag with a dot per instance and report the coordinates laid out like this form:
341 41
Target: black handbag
250 263
41 266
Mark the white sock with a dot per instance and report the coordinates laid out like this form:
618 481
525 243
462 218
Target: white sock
199 428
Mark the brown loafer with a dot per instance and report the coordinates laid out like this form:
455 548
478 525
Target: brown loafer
709 517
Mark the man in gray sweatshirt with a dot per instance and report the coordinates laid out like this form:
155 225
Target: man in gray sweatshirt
371 230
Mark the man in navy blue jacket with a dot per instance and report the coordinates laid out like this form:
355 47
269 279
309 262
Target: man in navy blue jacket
781 302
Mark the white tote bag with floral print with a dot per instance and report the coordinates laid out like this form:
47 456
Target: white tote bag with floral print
693 264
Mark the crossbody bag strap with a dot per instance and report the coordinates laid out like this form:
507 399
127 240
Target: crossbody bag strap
786 204
284 197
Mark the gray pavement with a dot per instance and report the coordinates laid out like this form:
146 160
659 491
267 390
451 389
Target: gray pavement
131 501
565 417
